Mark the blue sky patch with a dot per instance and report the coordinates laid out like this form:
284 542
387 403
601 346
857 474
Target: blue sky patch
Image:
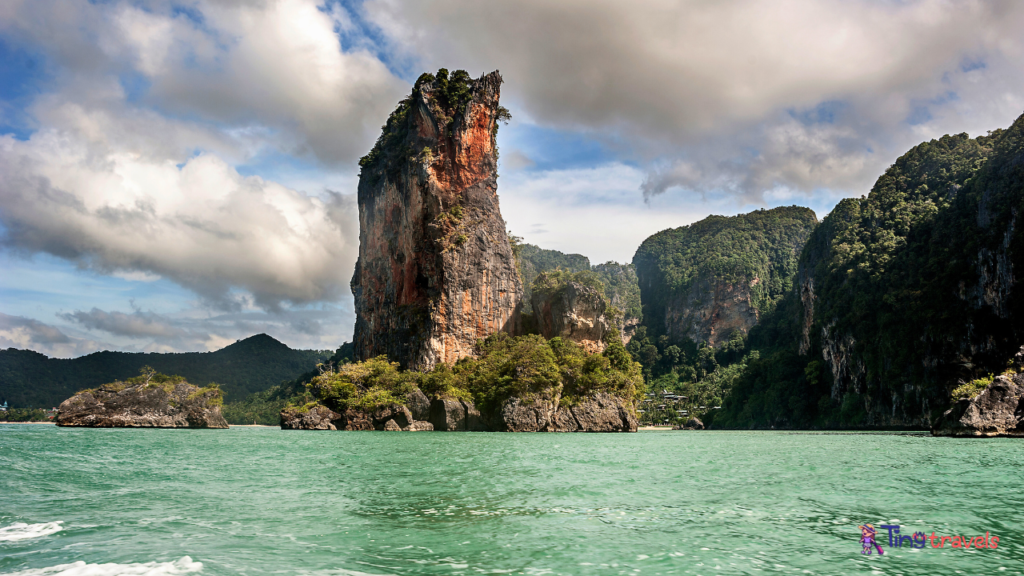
824 113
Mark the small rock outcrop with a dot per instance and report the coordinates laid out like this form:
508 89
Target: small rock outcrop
573 312
519 416
604 413
563 421
998 410
435 271
450 415
598 413
150 404
314 418
693 423
419 405
392 418
320 417
447 415
355 420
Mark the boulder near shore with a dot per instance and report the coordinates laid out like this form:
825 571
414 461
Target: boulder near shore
998 410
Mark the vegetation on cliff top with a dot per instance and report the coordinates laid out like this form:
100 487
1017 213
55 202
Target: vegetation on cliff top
551 282
364 386
529 365
910 277
450 94
621 287
149 378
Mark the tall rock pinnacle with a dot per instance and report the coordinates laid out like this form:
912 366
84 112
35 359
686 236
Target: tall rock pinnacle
435 270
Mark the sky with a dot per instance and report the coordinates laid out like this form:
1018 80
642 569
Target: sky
178 175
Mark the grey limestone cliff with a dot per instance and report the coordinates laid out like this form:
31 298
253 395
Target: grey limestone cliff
573 312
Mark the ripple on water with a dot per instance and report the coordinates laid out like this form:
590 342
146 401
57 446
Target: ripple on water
259 502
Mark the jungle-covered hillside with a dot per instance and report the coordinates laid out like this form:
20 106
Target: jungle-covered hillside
32 380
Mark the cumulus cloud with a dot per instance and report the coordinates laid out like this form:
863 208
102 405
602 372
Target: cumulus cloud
202 224
130 171
272 72
787 153
283 68
722 93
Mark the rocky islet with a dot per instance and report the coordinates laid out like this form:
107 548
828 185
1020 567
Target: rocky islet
154 402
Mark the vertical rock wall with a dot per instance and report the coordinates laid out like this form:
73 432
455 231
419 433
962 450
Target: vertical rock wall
712 310
435 269
902 309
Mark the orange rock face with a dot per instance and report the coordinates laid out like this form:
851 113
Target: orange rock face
435 269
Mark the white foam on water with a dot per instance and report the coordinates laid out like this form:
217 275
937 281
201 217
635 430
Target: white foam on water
182 566
22 531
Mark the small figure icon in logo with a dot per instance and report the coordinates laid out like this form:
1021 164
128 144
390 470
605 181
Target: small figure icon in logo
867 540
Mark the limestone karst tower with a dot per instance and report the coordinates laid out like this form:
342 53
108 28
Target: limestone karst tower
435 270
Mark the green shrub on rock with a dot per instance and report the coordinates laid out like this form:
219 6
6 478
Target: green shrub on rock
363 385
972 388
526 367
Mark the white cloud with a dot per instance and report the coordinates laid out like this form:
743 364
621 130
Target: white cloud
708 87
202 224
596 211
137 325
279 64
784 153
274 66
131 169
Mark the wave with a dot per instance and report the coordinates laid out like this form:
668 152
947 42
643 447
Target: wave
181 566
22 531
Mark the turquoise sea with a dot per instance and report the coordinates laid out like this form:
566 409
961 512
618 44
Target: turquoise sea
264 501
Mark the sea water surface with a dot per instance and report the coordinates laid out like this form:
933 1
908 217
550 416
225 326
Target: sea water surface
100 502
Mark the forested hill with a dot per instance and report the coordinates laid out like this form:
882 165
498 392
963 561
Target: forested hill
704 287
30 379
704 281
899 295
